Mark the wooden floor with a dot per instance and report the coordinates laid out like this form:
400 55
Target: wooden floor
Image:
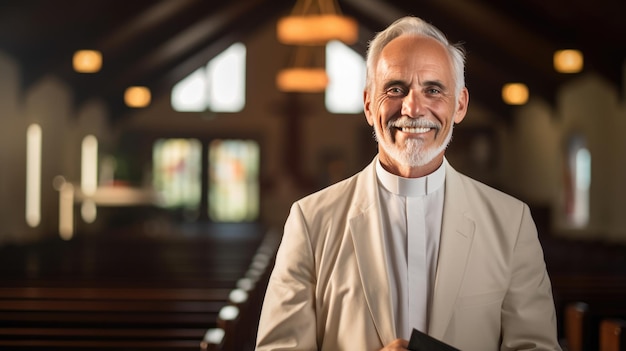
130 289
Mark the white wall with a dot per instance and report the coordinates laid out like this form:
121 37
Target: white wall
12 154
535 150
48 103
591 105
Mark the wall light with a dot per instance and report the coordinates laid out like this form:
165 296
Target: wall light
137 97
87 61
568 61
515 93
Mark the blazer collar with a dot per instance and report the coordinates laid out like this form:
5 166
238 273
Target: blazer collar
369 247
457 233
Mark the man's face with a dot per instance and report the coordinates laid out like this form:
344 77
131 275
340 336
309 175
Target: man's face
412 106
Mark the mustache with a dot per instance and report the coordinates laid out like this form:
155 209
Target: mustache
408 122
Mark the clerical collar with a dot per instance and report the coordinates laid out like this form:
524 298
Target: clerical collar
412 186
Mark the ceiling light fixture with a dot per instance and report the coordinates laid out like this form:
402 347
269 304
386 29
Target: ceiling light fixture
316 22
137 96
515 93
568 61
305 73
304 80
87 61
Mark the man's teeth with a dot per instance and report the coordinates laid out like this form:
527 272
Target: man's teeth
415 130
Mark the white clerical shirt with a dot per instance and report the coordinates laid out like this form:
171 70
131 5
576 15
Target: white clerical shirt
412 211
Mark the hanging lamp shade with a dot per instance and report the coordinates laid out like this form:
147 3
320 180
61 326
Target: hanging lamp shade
309 27
316 29
303 80
305 73
316 22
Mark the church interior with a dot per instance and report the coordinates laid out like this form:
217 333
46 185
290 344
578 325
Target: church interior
143 195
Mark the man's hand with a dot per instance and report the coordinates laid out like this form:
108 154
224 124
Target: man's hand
397 345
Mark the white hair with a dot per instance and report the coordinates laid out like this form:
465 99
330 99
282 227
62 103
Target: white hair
411 25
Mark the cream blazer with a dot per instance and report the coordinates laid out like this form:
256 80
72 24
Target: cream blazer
329 289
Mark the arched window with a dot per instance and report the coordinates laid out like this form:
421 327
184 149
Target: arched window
33 175
89 176
577 182
220 86
190 94
89 165
346 74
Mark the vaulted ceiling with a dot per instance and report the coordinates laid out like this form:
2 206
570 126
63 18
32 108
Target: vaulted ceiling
157 43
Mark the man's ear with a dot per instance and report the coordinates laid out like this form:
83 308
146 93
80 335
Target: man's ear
462 103
366 107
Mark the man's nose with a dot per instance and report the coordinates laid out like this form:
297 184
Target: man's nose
412 104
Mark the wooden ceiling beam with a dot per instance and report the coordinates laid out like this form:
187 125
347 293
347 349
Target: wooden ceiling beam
139 37
235 31
191 49
52 31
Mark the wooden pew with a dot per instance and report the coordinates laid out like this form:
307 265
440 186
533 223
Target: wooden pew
604 295
613 335
574 325
236 331
123 290
589 271
91 318
587 323
58 315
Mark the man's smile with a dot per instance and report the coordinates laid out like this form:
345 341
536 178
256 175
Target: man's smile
415 130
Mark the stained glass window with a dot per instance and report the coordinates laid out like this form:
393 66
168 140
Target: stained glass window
233 180
177 172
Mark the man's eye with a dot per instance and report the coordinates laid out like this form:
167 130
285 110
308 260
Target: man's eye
395 91
433 91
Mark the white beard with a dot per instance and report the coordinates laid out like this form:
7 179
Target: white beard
413 154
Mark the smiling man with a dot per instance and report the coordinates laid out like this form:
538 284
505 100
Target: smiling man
412 102
408 242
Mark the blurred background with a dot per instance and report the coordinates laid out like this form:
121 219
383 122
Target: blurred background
153 148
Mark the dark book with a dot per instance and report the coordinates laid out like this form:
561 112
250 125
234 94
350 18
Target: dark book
424 342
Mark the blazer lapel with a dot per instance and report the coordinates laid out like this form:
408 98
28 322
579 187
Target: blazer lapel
368 239
457 233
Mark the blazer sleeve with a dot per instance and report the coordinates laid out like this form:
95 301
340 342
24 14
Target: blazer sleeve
288 319
528 312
